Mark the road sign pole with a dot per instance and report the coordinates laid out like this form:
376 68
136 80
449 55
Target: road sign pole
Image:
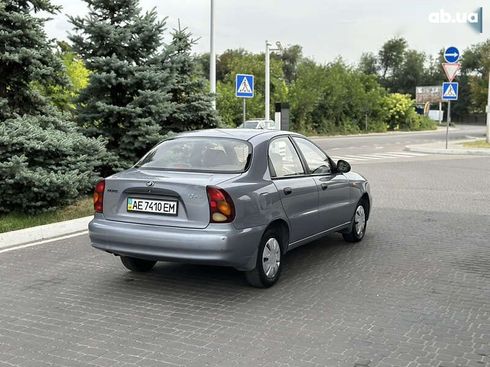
440 113
450 90
488 111
448 121
244 109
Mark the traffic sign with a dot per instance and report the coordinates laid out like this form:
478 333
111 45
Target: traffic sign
244 86
451 69
450 91
451 54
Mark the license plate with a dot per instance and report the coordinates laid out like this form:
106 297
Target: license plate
165 207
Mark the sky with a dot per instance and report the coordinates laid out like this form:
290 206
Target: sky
325 29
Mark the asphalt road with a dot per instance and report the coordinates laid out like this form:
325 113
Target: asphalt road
381 143
414 292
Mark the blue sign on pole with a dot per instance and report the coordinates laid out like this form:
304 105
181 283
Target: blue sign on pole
450 91
244 86
451 54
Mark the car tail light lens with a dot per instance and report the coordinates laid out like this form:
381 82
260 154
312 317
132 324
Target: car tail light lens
99 197
221 208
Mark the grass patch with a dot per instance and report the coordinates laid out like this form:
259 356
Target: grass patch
13 221
477 144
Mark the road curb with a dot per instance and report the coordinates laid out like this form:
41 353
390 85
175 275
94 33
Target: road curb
44 232
450 151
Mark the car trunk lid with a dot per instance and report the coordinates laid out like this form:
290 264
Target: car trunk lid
188 189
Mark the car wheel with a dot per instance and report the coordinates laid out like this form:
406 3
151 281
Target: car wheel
138 265
269 261
359 223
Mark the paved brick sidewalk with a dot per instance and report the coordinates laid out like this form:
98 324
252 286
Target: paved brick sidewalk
416 292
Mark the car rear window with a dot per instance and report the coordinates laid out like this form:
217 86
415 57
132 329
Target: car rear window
199 154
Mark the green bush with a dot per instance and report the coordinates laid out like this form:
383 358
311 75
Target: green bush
45 163
377 126
426 123
399 111
334 99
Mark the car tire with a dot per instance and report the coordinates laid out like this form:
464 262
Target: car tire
269 261
359 223
138 265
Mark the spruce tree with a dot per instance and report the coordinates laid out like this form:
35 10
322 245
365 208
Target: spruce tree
189 93
127 99
45 162
25 57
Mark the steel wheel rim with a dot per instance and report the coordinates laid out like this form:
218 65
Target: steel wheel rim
271 258
360 220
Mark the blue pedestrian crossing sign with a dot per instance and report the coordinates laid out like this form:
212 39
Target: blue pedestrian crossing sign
450 91
451 54
244 86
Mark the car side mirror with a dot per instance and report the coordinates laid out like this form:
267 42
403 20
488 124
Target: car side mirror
343 166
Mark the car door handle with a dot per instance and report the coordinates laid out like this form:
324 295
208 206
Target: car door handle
324 186
287 190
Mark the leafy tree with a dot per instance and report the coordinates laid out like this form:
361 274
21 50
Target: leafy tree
371 99
476 68
305 94
434 73
390 58
290 56
226 62
191 100
128 97
368 64
335 99
45 161
410 73
348 98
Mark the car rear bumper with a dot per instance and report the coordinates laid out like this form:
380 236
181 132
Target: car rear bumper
218 244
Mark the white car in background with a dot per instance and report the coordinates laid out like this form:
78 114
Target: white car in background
258 124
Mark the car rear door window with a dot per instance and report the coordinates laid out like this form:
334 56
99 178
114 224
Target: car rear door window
284 159
315 158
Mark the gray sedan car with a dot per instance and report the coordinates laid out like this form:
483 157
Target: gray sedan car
231 197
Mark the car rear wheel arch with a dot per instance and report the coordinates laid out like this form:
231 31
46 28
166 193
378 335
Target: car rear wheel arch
281 226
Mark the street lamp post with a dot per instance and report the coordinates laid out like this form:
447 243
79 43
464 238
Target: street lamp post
267 81
212 59
268 50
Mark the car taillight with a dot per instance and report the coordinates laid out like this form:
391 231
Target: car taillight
99 197
221 208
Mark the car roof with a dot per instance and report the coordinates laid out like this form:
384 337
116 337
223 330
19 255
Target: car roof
242 134
259 120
